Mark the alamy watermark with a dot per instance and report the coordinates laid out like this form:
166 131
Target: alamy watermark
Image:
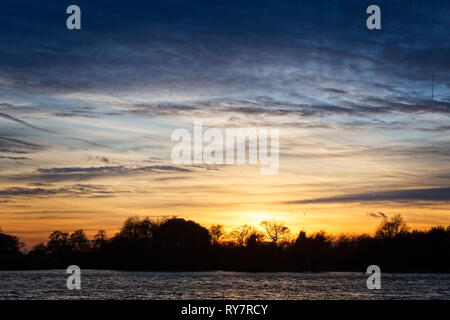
374 280
373 22
74 280
230 146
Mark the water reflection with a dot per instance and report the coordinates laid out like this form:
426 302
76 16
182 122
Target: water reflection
106 284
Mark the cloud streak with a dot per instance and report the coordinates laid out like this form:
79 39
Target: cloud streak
12 145
377 214
410 195
75 190
61 174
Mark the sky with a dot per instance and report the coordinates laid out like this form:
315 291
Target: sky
86 115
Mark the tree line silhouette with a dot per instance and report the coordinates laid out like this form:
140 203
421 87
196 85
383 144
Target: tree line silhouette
173 243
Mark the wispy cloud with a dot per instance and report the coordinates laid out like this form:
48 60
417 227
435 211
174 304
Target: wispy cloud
378 214
88 173
75 190
14 158
12 145
22 122
429 194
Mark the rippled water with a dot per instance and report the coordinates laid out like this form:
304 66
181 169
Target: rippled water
106 284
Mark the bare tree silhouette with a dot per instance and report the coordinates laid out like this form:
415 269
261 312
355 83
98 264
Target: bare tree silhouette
241 234
78 241
9 244
135 228
59 243
100 239
276 230
216 232
391 228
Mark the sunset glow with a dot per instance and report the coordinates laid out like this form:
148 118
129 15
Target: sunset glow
86 120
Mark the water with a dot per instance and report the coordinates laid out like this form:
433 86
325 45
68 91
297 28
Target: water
107 284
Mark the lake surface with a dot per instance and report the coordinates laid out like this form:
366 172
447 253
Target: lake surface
107 284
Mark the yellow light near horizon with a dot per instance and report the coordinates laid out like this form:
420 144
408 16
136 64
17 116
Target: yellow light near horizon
253 218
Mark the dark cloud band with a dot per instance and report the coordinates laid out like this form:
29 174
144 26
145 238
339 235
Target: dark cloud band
430 194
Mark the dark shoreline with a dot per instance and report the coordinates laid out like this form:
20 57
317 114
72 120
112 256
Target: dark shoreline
30 263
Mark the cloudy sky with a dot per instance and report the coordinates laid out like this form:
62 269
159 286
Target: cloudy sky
86 116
